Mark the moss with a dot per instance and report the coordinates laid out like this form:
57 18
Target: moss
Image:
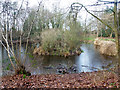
21 70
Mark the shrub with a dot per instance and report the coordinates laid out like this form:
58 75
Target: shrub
51 39
71 39
59 42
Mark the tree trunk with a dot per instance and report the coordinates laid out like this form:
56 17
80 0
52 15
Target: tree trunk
0 55
119 26
116 25
116 39
115 29
119 36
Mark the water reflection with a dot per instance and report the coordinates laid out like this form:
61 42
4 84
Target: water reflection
89 60
41 62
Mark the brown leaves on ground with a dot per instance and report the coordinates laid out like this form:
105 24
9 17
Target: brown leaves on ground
100 79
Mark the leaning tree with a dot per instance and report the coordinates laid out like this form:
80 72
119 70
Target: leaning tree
76 7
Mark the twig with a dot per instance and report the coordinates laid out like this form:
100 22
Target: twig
30 30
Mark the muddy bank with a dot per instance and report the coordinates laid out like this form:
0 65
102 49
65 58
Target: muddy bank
100 79
54 52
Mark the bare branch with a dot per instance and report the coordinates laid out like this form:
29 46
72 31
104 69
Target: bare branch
31 29
81 5
20 8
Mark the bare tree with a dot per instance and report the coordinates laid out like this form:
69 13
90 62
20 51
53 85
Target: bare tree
10 16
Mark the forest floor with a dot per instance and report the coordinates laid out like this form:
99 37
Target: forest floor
97 79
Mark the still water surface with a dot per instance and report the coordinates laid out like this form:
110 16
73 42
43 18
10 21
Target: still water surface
90 60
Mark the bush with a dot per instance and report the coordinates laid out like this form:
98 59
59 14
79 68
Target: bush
59 42
71 39
51 39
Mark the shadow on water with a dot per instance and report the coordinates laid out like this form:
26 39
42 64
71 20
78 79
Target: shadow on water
90 60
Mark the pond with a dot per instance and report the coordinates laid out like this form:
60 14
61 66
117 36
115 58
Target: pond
88 61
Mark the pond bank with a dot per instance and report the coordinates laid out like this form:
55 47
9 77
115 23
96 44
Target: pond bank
106 47
99 79
55 52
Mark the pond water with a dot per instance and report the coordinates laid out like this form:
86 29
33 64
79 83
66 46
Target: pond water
88 61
